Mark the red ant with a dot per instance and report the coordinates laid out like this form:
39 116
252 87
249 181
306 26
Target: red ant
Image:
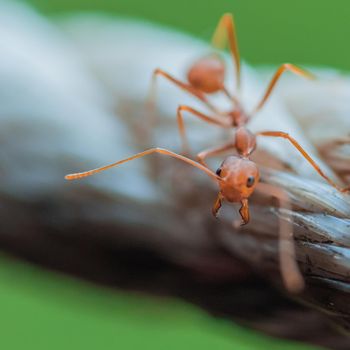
238 176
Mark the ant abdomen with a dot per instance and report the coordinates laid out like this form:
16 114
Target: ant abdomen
207 74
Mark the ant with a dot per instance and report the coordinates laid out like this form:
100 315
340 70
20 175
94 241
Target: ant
237 176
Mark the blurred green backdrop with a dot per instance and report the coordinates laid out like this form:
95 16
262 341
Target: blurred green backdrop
43 311
270 31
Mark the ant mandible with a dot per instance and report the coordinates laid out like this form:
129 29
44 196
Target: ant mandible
238 176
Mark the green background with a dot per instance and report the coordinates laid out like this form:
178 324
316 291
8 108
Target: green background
42 310
270 31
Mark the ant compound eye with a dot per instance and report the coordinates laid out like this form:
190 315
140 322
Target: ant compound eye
218 172
250 181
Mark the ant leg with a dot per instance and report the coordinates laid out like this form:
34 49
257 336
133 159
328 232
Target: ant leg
211 120
188 88
291 275
304 154
217 205
142 154
244 212
284 67
226 30
211 152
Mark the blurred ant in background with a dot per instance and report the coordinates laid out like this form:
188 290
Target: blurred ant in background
237 176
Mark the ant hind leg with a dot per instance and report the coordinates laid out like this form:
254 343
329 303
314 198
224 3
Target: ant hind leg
226 31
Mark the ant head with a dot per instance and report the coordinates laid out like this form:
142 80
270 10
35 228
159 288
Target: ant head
207 74
239 178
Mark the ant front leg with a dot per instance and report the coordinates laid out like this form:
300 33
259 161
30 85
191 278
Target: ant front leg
304 154
244 212
225 123
211 153
217 205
